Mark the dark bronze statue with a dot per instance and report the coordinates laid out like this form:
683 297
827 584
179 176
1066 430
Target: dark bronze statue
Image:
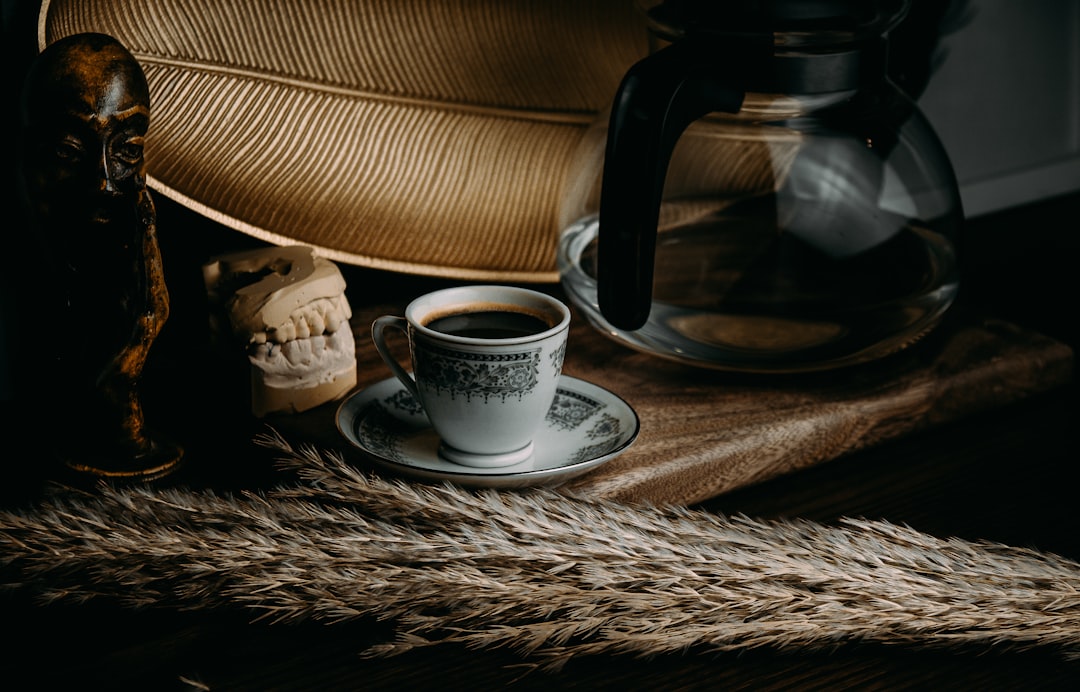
85 113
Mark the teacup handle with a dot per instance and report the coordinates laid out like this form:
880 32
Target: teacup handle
378 327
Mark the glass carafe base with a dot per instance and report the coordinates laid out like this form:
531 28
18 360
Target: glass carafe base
736 293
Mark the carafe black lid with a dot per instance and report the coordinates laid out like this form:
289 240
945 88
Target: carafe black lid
791 22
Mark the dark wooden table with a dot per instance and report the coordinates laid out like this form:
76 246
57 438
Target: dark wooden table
1003 475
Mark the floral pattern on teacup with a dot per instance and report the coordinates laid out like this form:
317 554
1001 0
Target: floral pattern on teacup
483 375
557 356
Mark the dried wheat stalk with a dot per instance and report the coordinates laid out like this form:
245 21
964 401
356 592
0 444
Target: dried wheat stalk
548 575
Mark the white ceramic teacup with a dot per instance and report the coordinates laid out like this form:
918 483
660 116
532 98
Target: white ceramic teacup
486 362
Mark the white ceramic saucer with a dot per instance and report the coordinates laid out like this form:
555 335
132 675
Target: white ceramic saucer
585 427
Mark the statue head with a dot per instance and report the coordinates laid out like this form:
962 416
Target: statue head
84 113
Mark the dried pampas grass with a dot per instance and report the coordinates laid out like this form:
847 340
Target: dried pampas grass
547 575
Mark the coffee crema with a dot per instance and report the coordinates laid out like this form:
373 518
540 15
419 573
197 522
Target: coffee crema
489 322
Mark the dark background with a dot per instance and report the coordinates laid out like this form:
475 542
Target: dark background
1006 476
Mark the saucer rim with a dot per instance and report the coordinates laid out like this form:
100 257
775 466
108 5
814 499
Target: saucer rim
493 477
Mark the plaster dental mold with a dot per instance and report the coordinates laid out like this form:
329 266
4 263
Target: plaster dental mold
287 306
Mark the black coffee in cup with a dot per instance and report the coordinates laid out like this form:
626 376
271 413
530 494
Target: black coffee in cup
489 322
488 396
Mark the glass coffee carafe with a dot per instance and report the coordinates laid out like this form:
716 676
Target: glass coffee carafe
761 197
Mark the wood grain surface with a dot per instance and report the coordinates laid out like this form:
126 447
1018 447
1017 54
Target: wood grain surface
705 433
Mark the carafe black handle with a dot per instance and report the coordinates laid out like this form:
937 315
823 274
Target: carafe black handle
658 98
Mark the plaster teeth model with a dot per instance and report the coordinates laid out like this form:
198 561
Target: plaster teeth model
288 307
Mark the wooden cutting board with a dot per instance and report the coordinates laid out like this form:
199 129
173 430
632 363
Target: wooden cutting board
704 433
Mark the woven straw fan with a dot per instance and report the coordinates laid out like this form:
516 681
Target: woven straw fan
429 137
